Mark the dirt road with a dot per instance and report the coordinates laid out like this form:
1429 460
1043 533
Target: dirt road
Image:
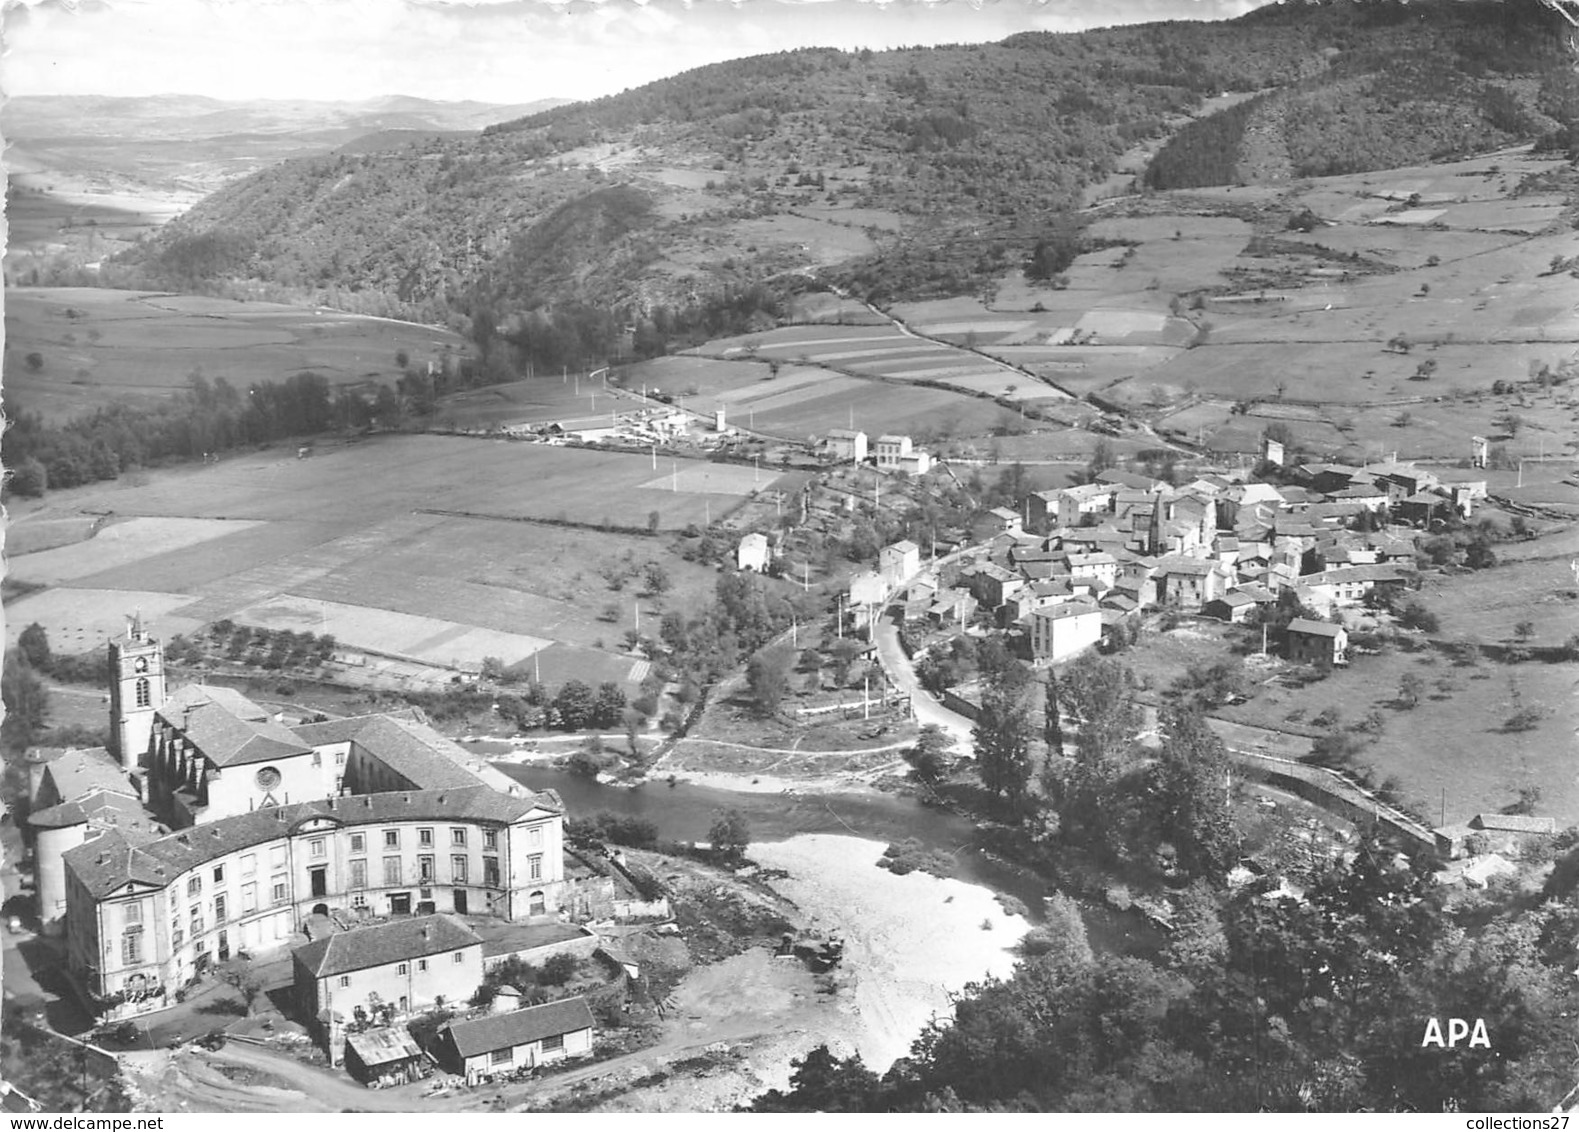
248 1078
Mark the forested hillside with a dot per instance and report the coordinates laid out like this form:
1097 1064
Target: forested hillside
1406 85
666 208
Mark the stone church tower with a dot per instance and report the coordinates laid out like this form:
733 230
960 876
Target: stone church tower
136 692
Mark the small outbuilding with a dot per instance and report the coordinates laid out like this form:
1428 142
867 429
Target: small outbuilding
385 1056
521 1039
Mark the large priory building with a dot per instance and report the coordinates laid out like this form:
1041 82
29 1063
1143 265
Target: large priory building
210 828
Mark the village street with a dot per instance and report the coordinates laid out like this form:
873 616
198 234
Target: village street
924 705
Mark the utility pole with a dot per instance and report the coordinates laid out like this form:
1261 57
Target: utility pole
674 474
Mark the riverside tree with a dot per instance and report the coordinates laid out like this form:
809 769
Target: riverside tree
1003 732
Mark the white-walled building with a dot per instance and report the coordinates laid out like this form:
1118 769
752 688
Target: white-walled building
520 1039
899 561
752 553
846 444
1060 631
145 914
406 964
891 449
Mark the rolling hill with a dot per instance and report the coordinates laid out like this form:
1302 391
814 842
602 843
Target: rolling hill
907 173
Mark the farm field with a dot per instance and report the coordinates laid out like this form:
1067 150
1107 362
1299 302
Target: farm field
97 345
890 354
807 400
339 543
118 545
568 398
1198 310
1447 741
79 619
361 481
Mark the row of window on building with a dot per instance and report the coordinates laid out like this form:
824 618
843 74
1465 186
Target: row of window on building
279 885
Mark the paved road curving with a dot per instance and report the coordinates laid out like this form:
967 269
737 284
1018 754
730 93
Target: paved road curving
923 704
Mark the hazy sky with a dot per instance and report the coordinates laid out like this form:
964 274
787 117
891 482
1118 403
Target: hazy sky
492 50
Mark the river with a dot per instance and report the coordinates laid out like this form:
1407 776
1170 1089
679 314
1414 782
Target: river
685 812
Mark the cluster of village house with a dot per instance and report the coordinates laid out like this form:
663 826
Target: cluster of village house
212 830
1076 562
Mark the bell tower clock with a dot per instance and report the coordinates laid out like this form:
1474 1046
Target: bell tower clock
136 691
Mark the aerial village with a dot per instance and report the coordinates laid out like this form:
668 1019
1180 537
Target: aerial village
402 874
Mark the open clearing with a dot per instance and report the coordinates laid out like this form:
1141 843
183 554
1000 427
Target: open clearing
97 346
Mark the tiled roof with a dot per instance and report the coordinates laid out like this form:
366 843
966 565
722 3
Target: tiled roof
1373 572
77 772
411 749
195 695
1067 609
519 1027
102 866
1314 628
382 944
101 807
1182 564
227 739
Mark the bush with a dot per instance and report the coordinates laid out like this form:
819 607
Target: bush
557 970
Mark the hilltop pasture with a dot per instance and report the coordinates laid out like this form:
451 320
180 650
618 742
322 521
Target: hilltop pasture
1368 312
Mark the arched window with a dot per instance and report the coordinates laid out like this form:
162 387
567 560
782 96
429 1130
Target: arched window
142 691
537 906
